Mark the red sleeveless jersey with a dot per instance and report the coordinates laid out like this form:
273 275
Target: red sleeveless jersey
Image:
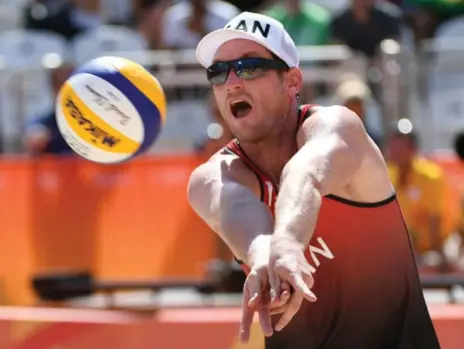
368 289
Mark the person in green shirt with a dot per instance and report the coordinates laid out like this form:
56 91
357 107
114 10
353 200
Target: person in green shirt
443 7
307 23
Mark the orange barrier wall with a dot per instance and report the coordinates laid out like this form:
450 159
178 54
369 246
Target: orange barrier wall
124 221
24 328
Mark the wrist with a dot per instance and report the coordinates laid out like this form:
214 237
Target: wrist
258 251
289 240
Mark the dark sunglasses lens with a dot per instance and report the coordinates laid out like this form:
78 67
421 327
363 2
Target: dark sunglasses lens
248 68
217 73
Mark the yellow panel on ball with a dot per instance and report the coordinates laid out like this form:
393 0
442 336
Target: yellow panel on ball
144 81
90 127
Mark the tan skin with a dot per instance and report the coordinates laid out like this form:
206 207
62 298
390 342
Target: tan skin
331 154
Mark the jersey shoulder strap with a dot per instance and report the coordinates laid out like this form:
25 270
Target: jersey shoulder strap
233 147
306 110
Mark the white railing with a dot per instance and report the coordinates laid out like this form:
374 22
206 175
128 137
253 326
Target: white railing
179 71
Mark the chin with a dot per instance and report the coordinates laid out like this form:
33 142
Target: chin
248 137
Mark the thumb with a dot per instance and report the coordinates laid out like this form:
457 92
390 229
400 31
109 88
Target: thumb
254 291
301 286
249 306
284 296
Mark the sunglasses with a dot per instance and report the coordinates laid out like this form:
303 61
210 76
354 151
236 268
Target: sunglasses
245 68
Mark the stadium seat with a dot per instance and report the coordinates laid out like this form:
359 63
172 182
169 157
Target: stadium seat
24 88
115 10
445 81
17 3
10 17
26 48
452 28
106 40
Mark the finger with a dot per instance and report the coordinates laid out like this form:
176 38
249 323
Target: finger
246 318
300 286
283 297
275 286
292 308
308 280
249 293
265 319
255 301
278 310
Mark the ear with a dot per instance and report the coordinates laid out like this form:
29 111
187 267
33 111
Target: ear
294 81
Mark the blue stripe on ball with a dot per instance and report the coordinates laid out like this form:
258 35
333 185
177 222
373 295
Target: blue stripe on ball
141 103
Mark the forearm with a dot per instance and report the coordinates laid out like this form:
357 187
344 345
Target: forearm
323 165
244 223
233 211
247 245
298 203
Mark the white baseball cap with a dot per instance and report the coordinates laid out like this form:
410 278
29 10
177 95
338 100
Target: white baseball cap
256 27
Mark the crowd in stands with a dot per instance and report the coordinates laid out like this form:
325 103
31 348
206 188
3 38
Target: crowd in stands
359 24
178 24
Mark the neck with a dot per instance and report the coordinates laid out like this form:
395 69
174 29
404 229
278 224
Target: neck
271 155
404 171
362 12
294 8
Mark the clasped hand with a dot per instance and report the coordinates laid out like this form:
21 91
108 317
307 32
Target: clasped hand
277 285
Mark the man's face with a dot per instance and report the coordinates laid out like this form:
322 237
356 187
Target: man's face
198 3
257 108
364 3
356 106
60 75
401 150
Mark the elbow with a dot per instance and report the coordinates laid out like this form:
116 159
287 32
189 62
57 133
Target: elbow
296 171
192 191
196 190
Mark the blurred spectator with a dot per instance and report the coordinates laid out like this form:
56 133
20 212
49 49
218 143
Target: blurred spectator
307 23
65 17
354 94
459 149
364 25
249 5
42 133
186 22
420 187
149 21
426 16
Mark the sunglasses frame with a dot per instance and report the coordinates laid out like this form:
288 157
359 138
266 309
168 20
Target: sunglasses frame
242 64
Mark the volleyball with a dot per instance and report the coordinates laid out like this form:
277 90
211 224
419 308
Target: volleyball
110 110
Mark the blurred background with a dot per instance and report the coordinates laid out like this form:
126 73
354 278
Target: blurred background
75 235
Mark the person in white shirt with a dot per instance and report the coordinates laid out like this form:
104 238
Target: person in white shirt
186 22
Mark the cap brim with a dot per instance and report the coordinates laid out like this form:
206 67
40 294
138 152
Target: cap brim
208 46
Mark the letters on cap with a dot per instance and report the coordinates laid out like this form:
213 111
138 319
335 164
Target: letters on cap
255 26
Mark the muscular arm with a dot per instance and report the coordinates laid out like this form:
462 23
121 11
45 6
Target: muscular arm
333 150
232 210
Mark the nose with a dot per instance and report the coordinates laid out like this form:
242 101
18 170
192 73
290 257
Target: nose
233 82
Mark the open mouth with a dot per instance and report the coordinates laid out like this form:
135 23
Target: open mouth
240 109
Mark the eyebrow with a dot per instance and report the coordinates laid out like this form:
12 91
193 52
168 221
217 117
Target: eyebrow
245 55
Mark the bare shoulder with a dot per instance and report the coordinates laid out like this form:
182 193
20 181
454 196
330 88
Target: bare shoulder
336 127
220 170
333 120
221 167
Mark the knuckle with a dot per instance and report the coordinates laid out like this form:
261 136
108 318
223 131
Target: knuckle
280 267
